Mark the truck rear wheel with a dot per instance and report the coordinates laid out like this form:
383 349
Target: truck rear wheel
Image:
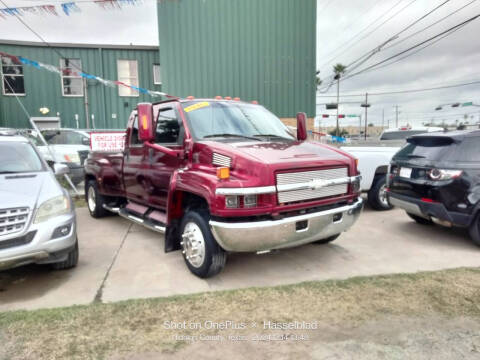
94 200
202 254
475 230
377 196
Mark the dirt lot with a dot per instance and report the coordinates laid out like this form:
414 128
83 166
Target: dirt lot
121 261
426 315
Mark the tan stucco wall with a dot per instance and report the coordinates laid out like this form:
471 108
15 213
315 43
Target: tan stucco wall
293 122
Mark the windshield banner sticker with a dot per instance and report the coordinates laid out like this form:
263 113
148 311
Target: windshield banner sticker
197 106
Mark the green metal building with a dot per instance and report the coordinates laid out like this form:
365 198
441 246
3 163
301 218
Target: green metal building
253 49
71 98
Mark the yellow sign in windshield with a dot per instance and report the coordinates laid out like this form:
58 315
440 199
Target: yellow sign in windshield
197 106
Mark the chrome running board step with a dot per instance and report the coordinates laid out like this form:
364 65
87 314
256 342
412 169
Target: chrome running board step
149 220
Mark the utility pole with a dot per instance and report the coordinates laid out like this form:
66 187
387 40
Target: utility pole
383 119
338 101
359 126
366 117
396 116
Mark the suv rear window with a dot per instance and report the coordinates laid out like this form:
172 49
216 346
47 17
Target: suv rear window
441 149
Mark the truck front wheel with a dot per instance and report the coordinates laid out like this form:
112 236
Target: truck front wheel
202 254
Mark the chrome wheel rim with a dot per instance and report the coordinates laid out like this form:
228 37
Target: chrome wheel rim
91 199
382 195
193 244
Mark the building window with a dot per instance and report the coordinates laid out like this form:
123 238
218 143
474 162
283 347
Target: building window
12 77
72 82
128 74
157 76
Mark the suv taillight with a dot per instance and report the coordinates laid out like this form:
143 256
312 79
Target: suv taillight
442 174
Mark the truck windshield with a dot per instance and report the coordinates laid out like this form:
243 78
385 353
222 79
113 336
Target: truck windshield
18 157
235 121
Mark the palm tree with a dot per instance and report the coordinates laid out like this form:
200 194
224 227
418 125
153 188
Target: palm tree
318 81
338 70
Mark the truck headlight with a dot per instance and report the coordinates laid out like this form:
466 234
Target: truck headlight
54 207
231 201
73 158
250 200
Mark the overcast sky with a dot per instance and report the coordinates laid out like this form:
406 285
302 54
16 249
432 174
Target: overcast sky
346 30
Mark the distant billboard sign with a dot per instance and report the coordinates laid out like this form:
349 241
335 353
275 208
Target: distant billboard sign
107 141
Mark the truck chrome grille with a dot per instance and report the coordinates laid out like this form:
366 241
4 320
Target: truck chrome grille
308 176
13 220
221 160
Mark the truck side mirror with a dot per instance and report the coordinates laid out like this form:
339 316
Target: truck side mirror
301 126
145 122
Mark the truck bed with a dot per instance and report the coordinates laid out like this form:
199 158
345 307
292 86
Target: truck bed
109 167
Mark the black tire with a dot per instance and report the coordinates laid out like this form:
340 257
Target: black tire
420 220
327 240
475 230
214 256
95 207
71 262
376 194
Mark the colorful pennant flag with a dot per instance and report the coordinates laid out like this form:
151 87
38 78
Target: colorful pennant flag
67 8
54 69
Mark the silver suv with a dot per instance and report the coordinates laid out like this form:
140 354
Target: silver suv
37 217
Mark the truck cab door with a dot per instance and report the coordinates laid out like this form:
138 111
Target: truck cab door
134 170
169 133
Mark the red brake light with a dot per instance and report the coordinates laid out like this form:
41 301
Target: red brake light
428 200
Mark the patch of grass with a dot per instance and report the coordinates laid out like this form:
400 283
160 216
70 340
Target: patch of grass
79 201
100 330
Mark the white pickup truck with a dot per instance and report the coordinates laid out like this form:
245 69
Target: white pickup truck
374 158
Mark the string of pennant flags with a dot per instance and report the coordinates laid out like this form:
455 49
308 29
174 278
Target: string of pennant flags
67 8
109 83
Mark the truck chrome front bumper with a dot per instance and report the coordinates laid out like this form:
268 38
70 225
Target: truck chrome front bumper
288 232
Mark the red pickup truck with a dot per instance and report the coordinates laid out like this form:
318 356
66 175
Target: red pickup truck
220 175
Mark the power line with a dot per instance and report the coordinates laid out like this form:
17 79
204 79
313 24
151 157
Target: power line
406 91
41 38
429 26
414 46
364 58
368 26
418 50
379 48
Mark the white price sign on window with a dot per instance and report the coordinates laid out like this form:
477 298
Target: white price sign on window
107 141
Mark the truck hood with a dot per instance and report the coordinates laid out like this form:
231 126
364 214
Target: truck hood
27 189
281 154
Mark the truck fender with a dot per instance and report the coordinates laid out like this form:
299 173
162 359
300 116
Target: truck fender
175 210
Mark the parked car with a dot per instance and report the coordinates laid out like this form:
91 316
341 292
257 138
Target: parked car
68 146
403 133
435 178
220 176
374 158
37 218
